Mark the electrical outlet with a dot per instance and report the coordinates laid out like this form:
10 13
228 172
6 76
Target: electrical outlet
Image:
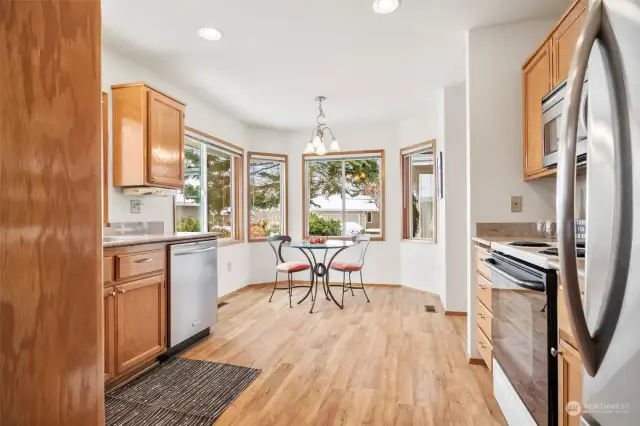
136 206
516 203
228 266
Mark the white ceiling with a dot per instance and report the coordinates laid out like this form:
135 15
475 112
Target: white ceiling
277 55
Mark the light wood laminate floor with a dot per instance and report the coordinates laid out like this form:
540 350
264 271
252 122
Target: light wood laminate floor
387 362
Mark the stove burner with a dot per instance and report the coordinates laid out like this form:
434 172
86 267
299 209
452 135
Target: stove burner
529 244
554 252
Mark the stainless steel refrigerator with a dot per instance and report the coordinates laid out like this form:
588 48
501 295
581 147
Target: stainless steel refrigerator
607 328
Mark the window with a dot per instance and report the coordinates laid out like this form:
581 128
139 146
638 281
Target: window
419 200
267 176
212 195
344 194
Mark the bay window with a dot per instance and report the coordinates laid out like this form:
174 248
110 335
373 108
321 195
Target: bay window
344 194
211 200
268 205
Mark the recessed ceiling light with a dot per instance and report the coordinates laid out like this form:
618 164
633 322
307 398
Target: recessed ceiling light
385 6
210 34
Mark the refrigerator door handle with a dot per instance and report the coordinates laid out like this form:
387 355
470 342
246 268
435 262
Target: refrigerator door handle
593 348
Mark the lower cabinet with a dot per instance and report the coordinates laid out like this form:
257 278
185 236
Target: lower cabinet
134 324
141 321
569 385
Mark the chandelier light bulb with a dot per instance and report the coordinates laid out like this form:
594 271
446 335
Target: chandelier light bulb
310 149
385 6
334 146
317 141
321 150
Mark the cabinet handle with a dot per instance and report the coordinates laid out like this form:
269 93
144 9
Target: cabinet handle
482 286
482 345
145 260
555 352
482 316
112 294
123 291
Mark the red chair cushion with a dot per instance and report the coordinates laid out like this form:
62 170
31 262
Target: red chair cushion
293 266
344 266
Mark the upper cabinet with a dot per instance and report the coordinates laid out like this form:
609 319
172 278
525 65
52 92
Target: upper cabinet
536 80
564 40
545 68
148 137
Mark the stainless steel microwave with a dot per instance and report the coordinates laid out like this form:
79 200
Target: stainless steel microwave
552 108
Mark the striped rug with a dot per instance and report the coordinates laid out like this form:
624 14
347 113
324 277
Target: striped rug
180 392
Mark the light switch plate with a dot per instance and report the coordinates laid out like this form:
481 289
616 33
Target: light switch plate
516 203
136 206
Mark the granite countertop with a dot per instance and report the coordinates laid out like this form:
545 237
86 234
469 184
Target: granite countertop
133 240
528 254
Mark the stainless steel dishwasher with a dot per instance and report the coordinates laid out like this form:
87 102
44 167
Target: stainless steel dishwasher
193 292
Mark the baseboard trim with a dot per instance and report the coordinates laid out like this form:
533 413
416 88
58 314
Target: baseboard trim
455 313
477 361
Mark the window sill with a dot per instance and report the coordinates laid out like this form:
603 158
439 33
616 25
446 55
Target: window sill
225 243
417 241
380 238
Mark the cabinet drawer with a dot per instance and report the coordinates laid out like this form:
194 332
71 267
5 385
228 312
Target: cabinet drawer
107 269
481 255
130 265
483 289
483 319
485 348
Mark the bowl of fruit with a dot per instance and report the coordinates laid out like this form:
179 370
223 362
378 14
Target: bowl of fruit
317 240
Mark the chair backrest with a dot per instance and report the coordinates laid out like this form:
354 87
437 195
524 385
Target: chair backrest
363 242
278 251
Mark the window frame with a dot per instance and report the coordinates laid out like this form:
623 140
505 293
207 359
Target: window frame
237 188
343 155
406 190
284 190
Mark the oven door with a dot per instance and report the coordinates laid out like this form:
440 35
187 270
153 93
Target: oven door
520 334
552 107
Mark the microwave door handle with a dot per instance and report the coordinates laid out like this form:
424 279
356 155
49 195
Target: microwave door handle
593 348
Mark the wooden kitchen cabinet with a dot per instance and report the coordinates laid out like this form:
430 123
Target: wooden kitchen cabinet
140 321
564 39
148 137
109 314
569 383
536 80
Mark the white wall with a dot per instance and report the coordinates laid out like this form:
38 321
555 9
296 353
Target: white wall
200 115
494 135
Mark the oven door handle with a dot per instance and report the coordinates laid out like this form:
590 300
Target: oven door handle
528 284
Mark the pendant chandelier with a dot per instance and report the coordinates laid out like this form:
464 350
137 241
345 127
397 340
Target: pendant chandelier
316 144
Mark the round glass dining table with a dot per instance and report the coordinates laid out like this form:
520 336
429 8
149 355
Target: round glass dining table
320 269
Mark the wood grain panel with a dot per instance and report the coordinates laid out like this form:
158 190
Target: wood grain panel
141 321
569 383
109 318
105 159
130 265
165 147
564 39
50 214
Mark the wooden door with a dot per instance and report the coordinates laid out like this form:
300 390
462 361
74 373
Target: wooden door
536 80
165 145
109 314
564 40
569 385
141 324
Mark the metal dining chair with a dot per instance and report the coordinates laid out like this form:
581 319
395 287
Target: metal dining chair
289 268
362 241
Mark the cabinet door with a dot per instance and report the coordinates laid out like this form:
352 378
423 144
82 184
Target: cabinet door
141 323
109 318
569 385
564 40
165 148
536 80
